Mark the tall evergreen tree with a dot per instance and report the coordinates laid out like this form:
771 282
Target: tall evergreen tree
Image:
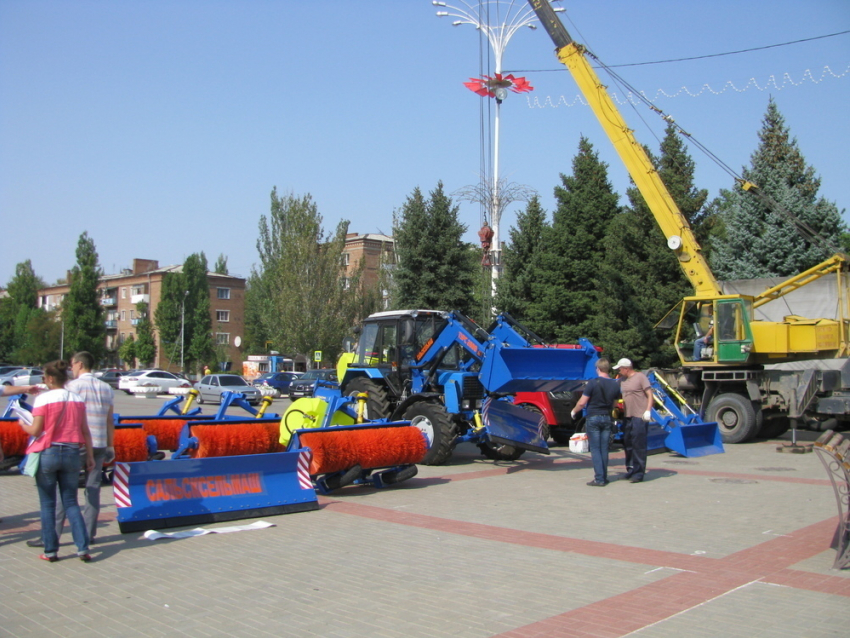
521 259
435 269
760 240
197 322
81 309
640 279
564 289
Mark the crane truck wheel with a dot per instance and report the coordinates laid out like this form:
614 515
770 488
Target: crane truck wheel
434 422
377 405
735 417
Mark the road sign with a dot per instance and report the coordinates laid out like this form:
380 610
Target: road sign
317 355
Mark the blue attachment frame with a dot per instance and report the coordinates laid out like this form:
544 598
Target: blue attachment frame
172 405
686 433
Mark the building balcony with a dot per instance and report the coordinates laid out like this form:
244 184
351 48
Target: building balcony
134 299
108 301
135 322
111 324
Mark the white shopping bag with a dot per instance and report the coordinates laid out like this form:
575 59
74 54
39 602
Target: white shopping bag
579 444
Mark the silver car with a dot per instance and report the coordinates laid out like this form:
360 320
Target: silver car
212 386
23 376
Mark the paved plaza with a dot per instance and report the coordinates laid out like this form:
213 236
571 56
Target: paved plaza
728 545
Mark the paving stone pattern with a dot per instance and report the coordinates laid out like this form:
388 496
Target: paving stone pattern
473 549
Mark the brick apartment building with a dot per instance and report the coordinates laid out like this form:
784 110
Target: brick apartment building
120 293
378 253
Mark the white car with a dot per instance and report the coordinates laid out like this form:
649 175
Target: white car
23 376
151 378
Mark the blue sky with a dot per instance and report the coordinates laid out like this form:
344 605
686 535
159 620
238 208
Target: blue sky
160 127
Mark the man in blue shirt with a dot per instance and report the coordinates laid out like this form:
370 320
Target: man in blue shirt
599 396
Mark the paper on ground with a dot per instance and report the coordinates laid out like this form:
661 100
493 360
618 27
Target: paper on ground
153 535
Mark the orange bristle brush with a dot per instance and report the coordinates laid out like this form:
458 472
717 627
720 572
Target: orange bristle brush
130 445
13 440
234 439
337 450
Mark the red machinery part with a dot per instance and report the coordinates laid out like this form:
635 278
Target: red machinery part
13 440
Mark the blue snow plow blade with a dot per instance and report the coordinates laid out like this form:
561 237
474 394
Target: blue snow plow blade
508 424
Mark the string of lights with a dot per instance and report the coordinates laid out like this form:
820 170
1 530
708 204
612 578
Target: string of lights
771 84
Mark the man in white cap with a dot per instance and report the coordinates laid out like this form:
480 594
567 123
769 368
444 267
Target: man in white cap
638 398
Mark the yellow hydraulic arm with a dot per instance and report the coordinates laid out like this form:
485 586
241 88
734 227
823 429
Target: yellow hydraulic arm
680 237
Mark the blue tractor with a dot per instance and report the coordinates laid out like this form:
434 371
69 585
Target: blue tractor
455 381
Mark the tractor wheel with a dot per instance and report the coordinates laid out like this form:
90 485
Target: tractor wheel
500 451
434 422
735 417
377 405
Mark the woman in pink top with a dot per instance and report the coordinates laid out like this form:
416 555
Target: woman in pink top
60 430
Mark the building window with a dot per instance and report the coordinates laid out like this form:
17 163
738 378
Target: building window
132 314
346 259
222 315
123 293
223 293
123 336
346 283
137 290
222 338
123 315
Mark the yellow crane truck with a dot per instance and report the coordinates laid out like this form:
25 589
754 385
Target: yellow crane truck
733 382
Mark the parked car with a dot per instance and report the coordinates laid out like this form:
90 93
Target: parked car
22 376
277 380
212 386
110 376
142 378
5 369
303 386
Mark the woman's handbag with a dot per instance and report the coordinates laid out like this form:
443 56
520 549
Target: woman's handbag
31 464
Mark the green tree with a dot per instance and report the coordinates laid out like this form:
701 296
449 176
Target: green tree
198 324
563 288
167 316
127 351
435 269
81 309
43 335
521 261
16 310
299 295
639 279
761 241
145 347
220 267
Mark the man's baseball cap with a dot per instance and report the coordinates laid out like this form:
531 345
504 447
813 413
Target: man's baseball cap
624 363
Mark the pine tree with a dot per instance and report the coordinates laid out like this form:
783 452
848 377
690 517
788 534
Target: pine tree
81 309
564 287
521 261
640 279
436 269
760 240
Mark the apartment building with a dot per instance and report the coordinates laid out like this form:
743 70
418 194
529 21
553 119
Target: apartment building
120 293
376 249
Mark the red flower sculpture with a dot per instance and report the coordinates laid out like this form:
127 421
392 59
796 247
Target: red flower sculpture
486 86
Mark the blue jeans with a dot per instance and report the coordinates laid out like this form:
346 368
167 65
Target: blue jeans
60 465
598 429
699 344
91 502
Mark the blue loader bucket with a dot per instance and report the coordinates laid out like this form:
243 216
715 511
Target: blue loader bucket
695 439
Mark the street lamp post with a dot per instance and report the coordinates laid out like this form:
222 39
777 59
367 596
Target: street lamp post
516 14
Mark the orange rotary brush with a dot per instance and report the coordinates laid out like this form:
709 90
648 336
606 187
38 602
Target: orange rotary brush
335 450
166 431
13 440
130 445
234 439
